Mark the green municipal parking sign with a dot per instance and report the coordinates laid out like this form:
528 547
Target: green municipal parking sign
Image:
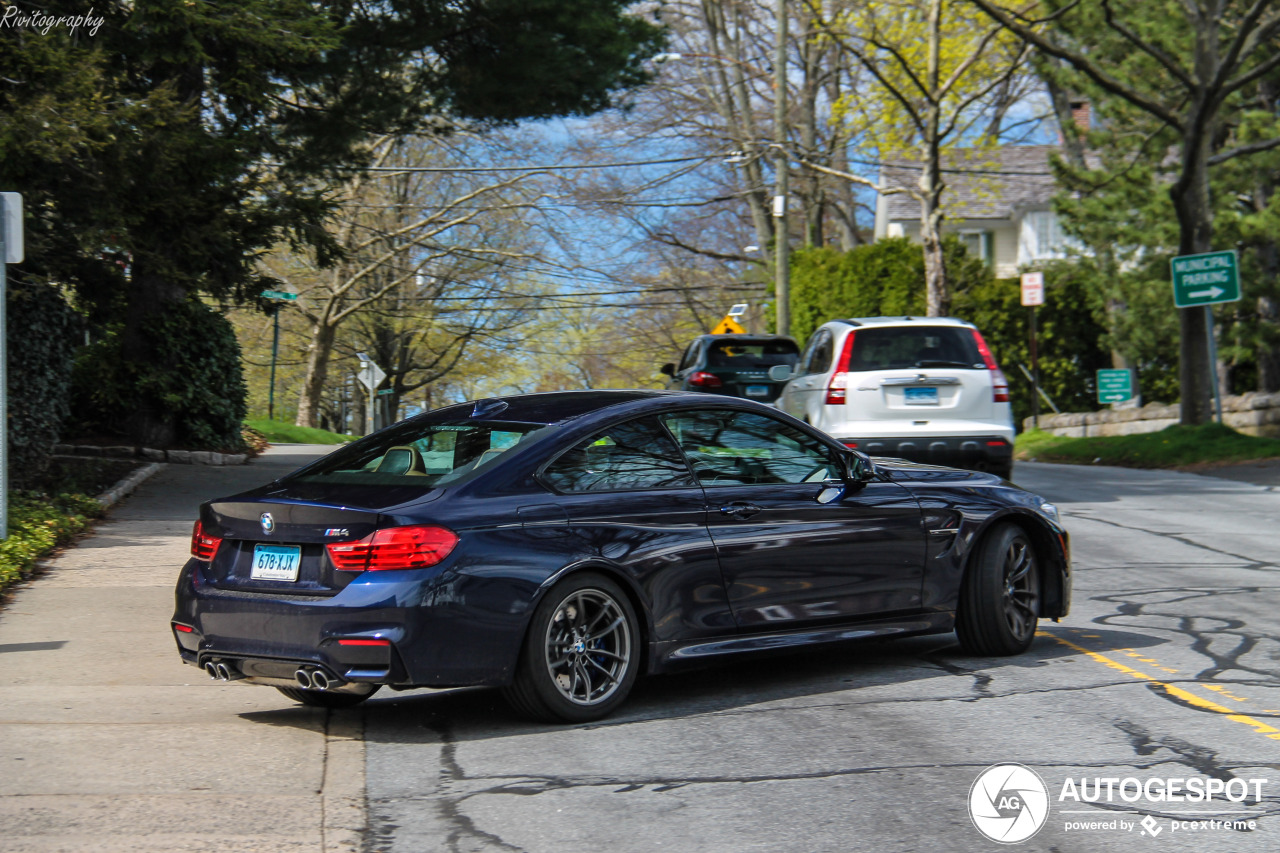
1115 386
1205 279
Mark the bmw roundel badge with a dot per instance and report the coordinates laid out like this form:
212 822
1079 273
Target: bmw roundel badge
268 523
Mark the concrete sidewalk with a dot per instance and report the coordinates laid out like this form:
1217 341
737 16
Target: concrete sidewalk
109 743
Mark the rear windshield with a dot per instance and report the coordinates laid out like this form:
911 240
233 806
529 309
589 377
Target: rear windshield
914 346
749 355
420 454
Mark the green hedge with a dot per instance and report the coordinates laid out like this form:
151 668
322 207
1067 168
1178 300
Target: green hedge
887 279
186 389
42 336
37 525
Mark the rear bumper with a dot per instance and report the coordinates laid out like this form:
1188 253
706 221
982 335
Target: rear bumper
990 452
433 640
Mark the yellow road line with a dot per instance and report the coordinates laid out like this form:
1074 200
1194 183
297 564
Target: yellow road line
1264 729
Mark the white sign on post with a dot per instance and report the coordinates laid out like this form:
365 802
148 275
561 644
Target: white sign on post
1032 289
370 374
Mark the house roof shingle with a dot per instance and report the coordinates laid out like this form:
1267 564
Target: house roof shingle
988 183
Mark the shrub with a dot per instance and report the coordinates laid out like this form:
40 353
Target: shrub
37 525
185 389
42 333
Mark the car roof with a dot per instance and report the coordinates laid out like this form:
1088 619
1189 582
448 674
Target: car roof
906 320
549 407
747 338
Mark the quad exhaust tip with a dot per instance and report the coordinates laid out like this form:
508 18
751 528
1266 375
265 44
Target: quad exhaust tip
219 671
314 679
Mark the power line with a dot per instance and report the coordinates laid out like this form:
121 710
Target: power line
559 167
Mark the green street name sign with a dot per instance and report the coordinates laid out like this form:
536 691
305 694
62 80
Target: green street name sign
1115 386
278 294
1205 279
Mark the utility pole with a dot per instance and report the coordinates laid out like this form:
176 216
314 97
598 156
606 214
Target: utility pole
781 230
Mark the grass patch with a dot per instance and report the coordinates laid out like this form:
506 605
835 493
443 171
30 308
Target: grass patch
279 432
1172 447
38 523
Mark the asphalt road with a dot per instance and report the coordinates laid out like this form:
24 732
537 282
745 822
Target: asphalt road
1165 670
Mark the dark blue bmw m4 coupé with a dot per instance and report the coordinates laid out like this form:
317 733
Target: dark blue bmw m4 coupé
559 545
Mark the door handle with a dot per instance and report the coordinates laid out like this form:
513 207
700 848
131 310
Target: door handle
740 510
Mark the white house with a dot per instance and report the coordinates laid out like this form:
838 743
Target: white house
996 201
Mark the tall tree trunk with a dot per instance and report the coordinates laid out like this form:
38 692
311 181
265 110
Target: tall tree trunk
318 352
937 289
1190 195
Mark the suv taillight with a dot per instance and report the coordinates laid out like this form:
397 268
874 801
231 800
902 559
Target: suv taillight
203 546
414 547
999 384
702 379
837 390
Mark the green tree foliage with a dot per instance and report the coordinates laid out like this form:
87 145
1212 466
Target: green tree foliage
882 279
1069 339
41 344
189 373
887 279
162 153
1180 71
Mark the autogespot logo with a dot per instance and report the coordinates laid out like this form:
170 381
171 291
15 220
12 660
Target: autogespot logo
1008 803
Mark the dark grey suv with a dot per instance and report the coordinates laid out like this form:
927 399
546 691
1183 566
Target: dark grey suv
734 365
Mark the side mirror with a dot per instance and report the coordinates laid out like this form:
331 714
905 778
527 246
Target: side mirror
668 369
780 372
860 468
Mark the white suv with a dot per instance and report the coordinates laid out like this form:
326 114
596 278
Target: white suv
924 389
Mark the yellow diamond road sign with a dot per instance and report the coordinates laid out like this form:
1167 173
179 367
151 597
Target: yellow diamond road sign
728 326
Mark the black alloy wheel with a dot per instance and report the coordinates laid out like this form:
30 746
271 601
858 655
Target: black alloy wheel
581 654
1000 597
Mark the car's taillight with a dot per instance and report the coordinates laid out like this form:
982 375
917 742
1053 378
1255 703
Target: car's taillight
999 384
413 547
837 391
203 546
702 379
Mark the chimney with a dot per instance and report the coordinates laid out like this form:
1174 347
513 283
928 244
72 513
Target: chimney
1080 115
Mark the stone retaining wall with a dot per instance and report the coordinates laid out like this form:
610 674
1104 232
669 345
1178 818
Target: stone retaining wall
181 457
1252 413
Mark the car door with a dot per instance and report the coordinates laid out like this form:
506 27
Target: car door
789 559
804 393
630 500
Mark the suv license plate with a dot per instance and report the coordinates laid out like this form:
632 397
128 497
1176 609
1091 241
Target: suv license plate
757 390
276 562
921 396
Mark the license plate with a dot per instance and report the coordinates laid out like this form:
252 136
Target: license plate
921 396
757 390
276 562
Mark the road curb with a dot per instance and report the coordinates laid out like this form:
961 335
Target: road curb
126 486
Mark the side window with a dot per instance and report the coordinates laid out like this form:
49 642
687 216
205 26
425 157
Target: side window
630 456
689 358
731 448
818 356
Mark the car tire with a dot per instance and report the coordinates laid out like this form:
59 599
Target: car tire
326 698
1000 595
581 654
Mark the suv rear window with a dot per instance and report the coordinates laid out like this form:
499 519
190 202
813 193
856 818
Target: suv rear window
751 355
914 346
